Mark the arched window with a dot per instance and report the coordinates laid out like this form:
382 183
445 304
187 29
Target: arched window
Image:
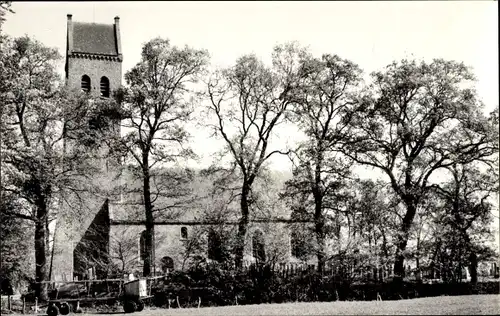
214 246
297 244
184 233
258 248
104 87
142 245
167 264
85 83
300 241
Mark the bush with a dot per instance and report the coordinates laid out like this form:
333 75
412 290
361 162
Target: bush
218 286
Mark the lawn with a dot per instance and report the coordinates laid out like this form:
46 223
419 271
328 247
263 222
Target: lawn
442 305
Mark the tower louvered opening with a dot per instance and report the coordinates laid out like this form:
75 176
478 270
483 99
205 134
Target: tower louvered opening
105 87
85 84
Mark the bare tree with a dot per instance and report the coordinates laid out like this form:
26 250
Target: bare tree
249 101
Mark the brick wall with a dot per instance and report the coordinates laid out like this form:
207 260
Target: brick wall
95 69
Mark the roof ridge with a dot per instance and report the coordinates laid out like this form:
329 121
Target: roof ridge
80 22
87 53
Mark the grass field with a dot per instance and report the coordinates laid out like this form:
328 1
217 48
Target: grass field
442 305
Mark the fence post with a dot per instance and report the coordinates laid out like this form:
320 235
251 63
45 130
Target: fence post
36 305
9 305
24 304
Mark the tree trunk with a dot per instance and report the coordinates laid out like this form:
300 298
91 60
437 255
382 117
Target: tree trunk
242 227
150 228
473 268
41 249
47 237
384 245
411 209
417 255
319 224
319 219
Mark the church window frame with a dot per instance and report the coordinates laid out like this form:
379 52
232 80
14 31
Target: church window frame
167 264
184 233
259 246
215 247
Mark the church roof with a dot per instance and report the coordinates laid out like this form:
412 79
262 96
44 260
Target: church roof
93 38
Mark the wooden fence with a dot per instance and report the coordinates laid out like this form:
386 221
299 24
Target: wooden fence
355 273
348 272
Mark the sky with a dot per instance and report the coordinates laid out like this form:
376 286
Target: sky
371 34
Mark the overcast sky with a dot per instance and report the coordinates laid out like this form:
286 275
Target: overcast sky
372 34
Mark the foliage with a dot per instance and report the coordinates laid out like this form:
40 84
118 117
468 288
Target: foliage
401 122
463 221
421 124
16 271
37 117
217 286
322 98
4 8
372 218
155 105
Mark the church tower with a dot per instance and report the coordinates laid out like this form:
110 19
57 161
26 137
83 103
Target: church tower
93 57
94 66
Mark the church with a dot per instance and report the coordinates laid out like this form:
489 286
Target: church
103 230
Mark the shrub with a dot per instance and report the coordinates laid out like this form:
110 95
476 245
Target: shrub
217 286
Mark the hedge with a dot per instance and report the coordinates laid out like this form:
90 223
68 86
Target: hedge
213 286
